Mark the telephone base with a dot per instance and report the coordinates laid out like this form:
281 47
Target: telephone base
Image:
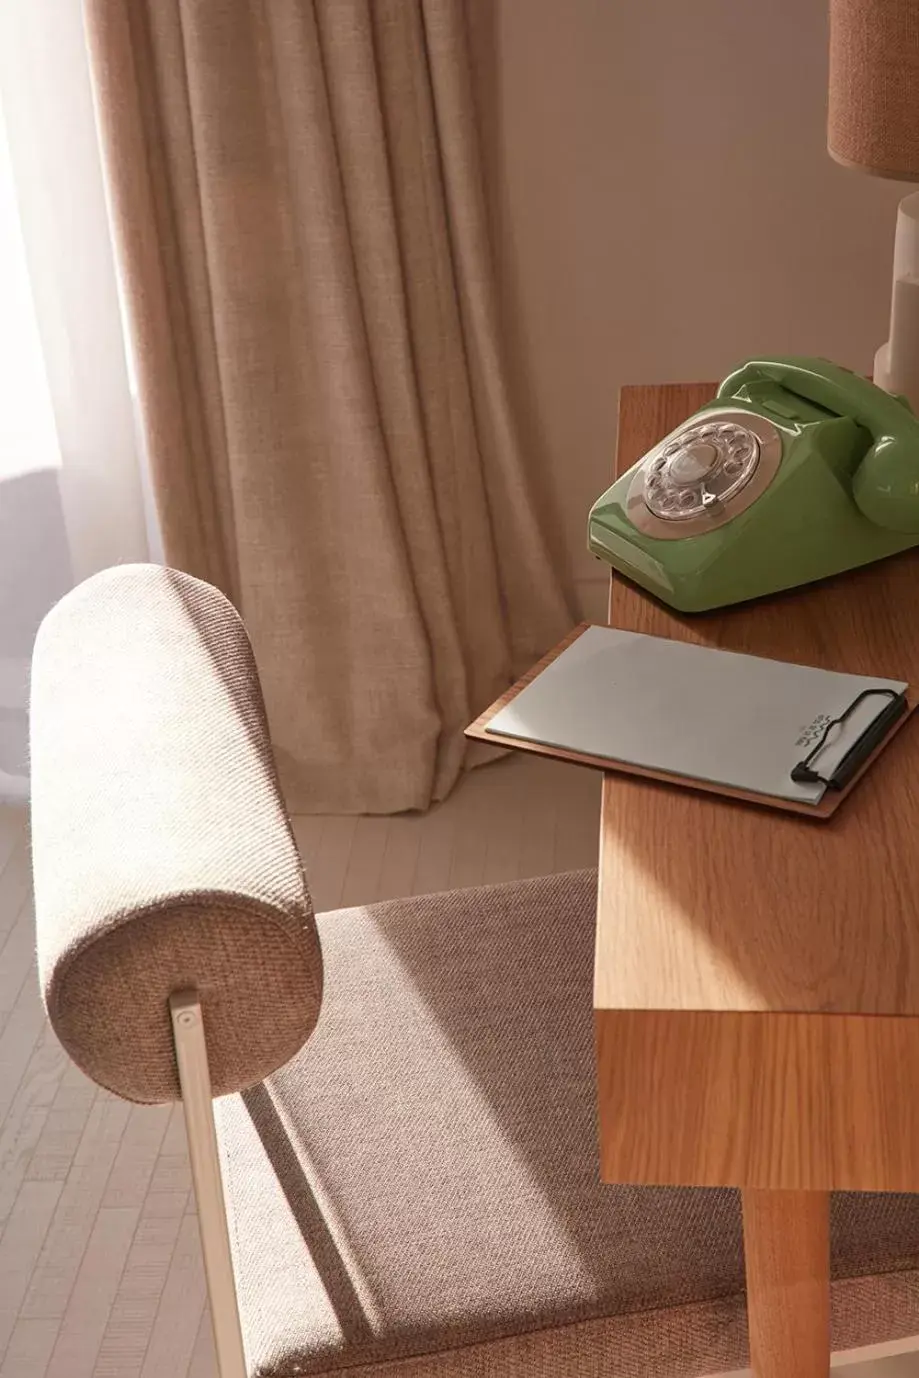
794 523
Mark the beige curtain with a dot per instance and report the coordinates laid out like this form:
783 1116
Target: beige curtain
300 218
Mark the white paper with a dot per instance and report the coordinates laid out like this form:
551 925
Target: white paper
729 719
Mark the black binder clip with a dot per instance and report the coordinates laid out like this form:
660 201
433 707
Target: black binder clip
804 772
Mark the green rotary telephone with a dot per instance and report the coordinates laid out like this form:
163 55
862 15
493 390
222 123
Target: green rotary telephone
797 470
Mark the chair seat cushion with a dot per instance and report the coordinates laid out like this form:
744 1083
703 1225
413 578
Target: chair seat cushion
424 1175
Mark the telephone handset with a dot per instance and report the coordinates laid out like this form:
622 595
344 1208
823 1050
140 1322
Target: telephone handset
886 483
797 470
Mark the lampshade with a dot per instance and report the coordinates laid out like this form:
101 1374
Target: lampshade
874 86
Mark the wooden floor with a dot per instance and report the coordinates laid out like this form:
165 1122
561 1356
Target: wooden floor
100 1271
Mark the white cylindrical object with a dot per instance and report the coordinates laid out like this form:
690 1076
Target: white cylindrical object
881 373
903 359
906 244
897 362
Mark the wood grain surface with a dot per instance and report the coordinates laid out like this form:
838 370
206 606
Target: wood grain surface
709 905
792 1101
744 955
787 1248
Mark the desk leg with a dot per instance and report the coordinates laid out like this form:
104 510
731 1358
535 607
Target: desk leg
787 1246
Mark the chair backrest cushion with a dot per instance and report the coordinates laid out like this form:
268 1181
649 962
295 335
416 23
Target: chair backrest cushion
163 856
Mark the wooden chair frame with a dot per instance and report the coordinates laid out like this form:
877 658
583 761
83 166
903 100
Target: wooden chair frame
197 1101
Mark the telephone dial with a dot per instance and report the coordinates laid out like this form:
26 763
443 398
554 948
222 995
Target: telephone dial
797 470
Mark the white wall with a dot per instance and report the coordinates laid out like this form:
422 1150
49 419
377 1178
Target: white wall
663 207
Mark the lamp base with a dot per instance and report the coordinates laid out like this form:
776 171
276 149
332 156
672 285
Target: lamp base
881 374
896 364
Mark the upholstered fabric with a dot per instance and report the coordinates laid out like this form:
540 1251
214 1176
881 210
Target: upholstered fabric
297 196
163 856
423 1177
873 113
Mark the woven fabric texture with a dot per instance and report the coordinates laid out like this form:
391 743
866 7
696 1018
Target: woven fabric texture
423 1178
874 77
296 191
693 1341
163 856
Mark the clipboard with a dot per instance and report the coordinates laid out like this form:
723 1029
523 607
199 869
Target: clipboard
827 805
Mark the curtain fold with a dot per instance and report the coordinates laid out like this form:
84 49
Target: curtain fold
297 198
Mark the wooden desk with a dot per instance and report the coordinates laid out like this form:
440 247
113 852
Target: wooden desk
757 974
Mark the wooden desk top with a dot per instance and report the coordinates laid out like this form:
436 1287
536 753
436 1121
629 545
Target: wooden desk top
712 906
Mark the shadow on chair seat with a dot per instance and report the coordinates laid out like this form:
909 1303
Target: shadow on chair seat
423 1176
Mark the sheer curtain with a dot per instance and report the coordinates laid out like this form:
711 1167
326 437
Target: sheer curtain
71 492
